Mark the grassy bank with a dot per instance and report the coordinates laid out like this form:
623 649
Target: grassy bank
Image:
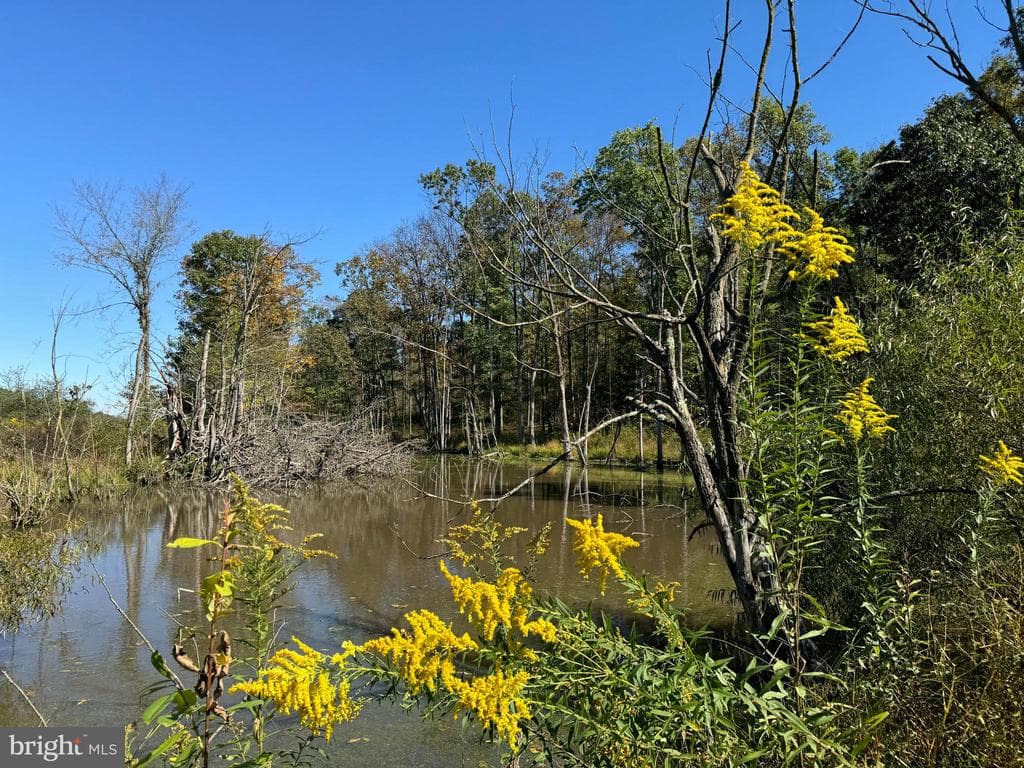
606 447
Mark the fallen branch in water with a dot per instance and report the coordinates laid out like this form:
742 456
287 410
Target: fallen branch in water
103 583
561 458
26 698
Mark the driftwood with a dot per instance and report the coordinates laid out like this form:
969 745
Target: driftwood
209 439
288 452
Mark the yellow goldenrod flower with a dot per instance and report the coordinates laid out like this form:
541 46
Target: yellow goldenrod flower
542 628
418 656
598 550
348 649
296 682
264 520
1005 467
495 699
817 251
755 214
488 606
862 415
838 335
649 600
466 543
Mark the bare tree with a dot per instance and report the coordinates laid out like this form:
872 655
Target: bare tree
697 332
936 32
126 236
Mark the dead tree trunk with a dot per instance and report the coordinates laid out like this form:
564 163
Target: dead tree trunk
140 378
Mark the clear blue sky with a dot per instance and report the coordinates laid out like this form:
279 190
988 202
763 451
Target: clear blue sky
316 115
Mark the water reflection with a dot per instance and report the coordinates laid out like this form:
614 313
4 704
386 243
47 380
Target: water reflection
86 666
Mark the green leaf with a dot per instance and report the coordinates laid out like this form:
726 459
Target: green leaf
189 543
156 707
166 744
184 700
160 665
813 633
247 704
752 756
773 630
875 720
219 584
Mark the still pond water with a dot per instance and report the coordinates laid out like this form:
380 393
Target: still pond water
86 666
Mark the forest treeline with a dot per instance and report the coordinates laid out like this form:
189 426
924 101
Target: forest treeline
448 329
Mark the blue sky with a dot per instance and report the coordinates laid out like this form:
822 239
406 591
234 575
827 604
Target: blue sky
318 116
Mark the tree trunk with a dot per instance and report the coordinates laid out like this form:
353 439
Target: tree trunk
718 480
200 429
140 379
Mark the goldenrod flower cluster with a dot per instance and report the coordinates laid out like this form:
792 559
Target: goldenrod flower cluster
472 543
648 600
417 657
597 549
862 415
426 656
495 699
838 335
264 519
542 628
296 682
755 215
1005 467
487 606
817 251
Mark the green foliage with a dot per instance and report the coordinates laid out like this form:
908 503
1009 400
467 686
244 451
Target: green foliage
613 446
810 176
947 359
616 699
948 181
242 299
36 568
54 449
27 414
626 179
326 382
227 276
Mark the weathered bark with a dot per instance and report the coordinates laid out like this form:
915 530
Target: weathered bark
140 379
177 432
200 427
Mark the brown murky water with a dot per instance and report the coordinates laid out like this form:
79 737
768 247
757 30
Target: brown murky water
86 666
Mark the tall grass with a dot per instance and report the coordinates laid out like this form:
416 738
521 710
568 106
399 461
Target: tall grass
607 447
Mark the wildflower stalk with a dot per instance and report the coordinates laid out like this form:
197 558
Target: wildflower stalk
981 521
210 665
252 565
1003 471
